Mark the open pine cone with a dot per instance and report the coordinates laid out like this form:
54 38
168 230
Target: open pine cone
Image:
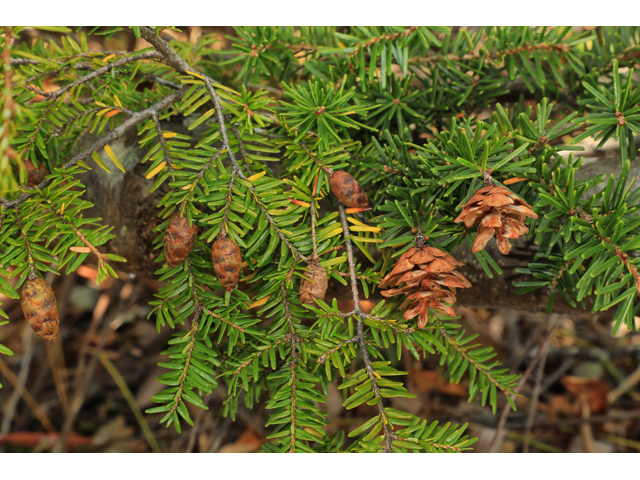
499 212
430 282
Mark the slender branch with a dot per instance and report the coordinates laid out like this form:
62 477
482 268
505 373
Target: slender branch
257 354
174 60
24 61
161 81
192 343
51 96
199 176
313 220
383 38
330 352
327 170
32 268
102 258
163 142
463 351
293 339
243 151
101 142
445 447
77 66
624 258
294 250
388 434
222 319
490 56
359 277
225 212
68 123
28 61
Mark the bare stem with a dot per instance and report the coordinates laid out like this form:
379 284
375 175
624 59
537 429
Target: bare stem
388 434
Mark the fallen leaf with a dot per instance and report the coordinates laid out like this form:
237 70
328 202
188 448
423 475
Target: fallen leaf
248 442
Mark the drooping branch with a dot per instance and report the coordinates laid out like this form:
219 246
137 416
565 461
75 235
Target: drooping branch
489 57
101 142
174 60
360 316
383 38
52 96
187 362
293 339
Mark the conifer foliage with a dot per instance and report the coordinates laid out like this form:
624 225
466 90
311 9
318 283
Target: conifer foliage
318 155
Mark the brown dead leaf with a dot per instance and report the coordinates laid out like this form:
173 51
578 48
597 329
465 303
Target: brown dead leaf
594 390
430 380
248 442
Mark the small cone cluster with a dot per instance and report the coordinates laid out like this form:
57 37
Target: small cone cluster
314 284
348 190
227 262
430 279
40 307
178 240
498 212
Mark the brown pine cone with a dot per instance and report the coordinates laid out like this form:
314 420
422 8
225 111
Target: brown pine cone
40 308
35 175
499 212
430 282
314 284
227 262
348 190
178 240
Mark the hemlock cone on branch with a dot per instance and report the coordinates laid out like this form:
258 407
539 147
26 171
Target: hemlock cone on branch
178 240
40 308
498 212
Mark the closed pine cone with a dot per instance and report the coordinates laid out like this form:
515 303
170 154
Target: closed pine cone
348 190
227 262
40 308
499 212
35 175
178 240
314 284
430 282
